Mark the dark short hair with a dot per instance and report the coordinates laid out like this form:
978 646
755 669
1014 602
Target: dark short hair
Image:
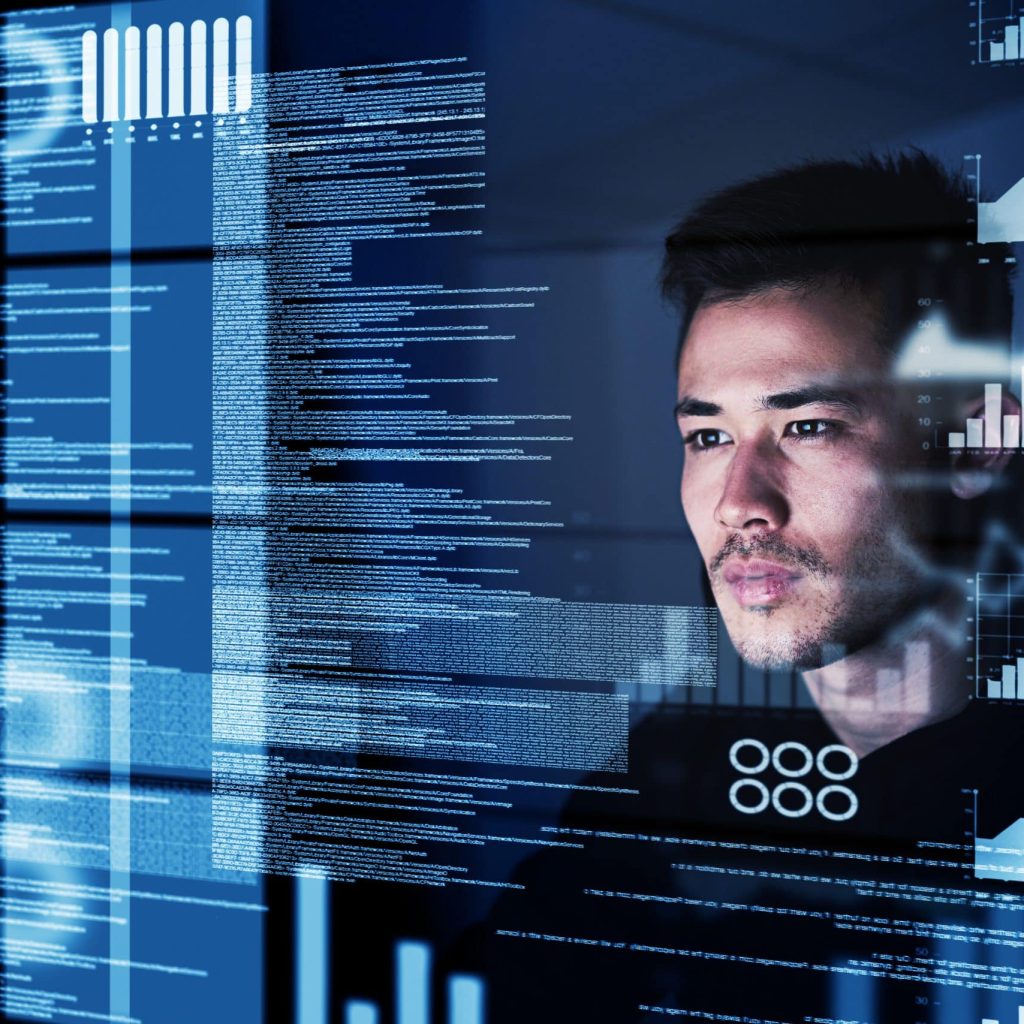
897 226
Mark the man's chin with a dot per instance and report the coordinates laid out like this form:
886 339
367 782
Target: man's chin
774 649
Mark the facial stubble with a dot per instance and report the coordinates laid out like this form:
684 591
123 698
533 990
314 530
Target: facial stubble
859 599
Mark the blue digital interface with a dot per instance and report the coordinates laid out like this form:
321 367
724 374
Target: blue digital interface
512 512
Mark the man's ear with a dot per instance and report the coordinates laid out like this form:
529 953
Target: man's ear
974 470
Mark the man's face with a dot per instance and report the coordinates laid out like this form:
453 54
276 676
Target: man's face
791 441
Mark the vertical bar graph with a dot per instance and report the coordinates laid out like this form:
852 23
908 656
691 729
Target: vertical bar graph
123 99
1010 686
176 70
197 63
1000 34
412 983
999 636
90 69
465 993
311 949
991 430
154 71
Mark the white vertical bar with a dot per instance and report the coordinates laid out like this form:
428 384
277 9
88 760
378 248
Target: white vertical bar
243 64
993 415
154 72
1009 682
220 66
311 948
996 52
1012 42
1020 1015
465 1000
176 70
132 58
358 1011
120 618
890 688
412 983
956 439
917 670
197 60
111 106
974 433
89 70
1011 431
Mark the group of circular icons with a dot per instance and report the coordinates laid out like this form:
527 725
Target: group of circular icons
792 760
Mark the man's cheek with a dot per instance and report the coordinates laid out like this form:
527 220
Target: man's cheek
691 510
844 506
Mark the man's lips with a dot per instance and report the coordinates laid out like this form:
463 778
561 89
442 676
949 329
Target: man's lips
759 582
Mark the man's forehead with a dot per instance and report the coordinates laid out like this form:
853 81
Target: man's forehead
780 341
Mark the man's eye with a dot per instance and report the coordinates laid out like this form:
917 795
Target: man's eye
811 428
702 440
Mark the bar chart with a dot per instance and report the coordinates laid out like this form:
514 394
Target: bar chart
999 636
121 95
993 429
1000 33
464 993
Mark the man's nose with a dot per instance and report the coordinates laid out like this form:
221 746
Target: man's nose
753 499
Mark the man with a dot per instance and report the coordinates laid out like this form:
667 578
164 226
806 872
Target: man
783 864
799 293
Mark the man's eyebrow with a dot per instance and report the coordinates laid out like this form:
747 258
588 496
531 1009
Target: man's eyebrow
814 394
690 406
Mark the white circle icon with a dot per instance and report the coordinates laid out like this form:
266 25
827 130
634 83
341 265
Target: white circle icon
837 748
792 787
848 794
734 756
792 773
761 789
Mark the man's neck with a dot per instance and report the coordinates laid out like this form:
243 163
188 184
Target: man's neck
898 685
